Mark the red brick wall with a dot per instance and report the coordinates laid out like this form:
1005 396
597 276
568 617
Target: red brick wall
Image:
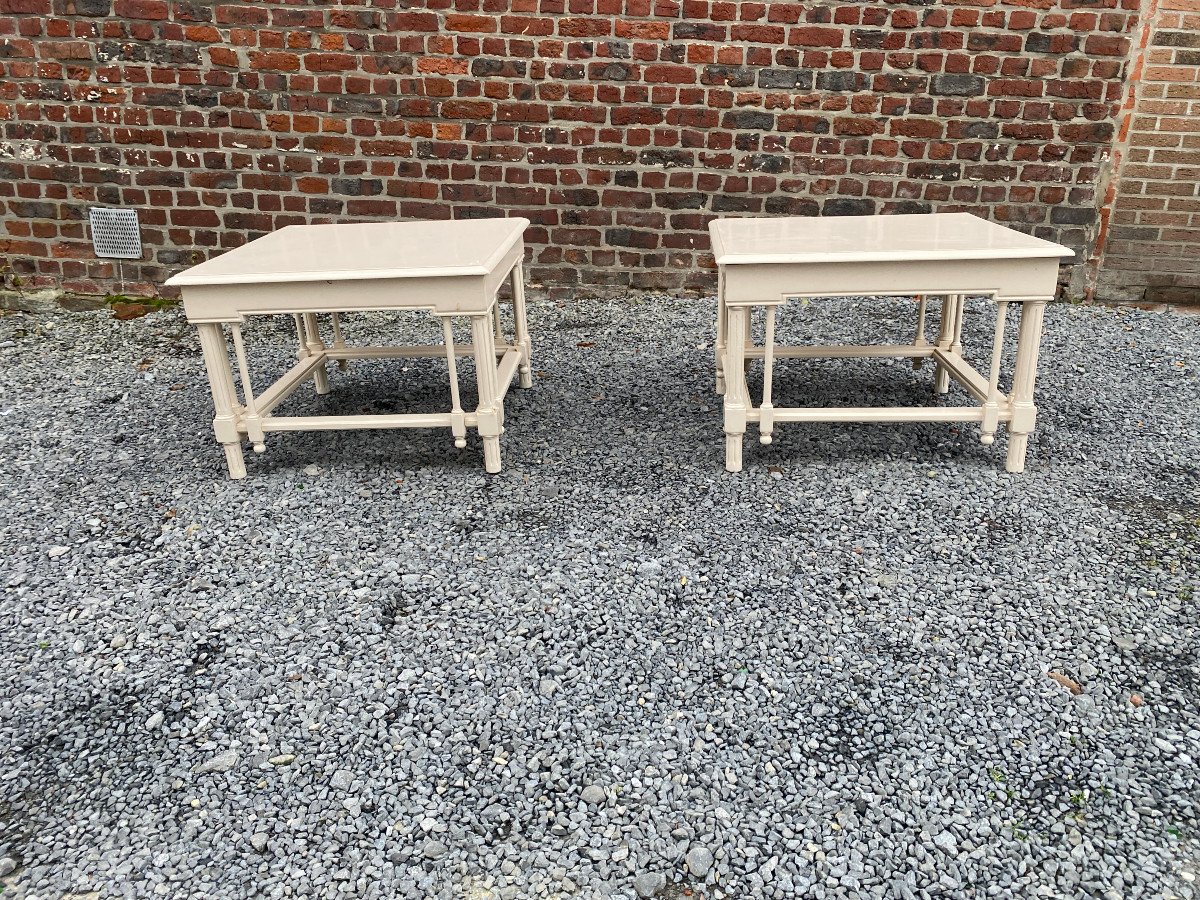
620 127
1151 249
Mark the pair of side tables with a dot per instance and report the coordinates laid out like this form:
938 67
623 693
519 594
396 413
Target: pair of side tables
455 270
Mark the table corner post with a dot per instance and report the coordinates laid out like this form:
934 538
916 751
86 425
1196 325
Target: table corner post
736 393
946 318
489 415
1024 412
521 325
316 347
220 379
722 325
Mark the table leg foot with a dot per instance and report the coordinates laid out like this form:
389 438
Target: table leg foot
941 380
491 455
733 452
720 384
526 376
1017 445
235 461
321 379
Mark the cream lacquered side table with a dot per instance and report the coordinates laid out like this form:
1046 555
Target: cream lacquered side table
768 261
450 269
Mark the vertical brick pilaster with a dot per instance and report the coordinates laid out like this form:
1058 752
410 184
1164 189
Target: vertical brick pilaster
1150 238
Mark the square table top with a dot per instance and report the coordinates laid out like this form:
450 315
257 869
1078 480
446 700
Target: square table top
838 239
363 250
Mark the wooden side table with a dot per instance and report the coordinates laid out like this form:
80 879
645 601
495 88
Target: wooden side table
765 262
450 269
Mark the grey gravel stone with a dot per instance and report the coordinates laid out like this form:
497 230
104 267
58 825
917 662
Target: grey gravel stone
593 795
7 866
259 840
647 884
699 861
222 762
945 840
828 671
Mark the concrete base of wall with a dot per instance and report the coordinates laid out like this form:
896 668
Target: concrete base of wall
1139 288
49 301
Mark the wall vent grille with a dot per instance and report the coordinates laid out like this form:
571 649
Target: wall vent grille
115 233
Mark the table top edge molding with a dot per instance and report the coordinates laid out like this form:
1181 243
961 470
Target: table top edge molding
281 248
183 280
802 258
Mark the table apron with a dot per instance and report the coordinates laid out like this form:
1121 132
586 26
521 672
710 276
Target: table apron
758 284
463 295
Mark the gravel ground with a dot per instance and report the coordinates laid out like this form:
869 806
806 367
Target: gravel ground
871 665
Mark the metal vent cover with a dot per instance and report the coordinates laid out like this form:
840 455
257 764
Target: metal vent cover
115 232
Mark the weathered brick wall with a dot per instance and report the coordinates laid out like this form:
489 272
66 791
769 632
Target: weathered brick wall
1152 246
620 127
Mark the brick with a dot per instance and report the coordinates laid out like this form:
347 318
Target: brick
1066 215
848 207
1175 39
816 37
958 85
471 24
329 62
645 31
788 79
748 118
242 15
141 9
467 109
275 60
759 34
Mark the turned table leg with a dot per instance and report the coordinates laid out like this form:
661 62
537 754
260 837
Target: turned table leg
919 341
339 342
766 421
737 400
525 368
315 345
991 406
458 419
719 344
1024 413
490 413
220 379
945 338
